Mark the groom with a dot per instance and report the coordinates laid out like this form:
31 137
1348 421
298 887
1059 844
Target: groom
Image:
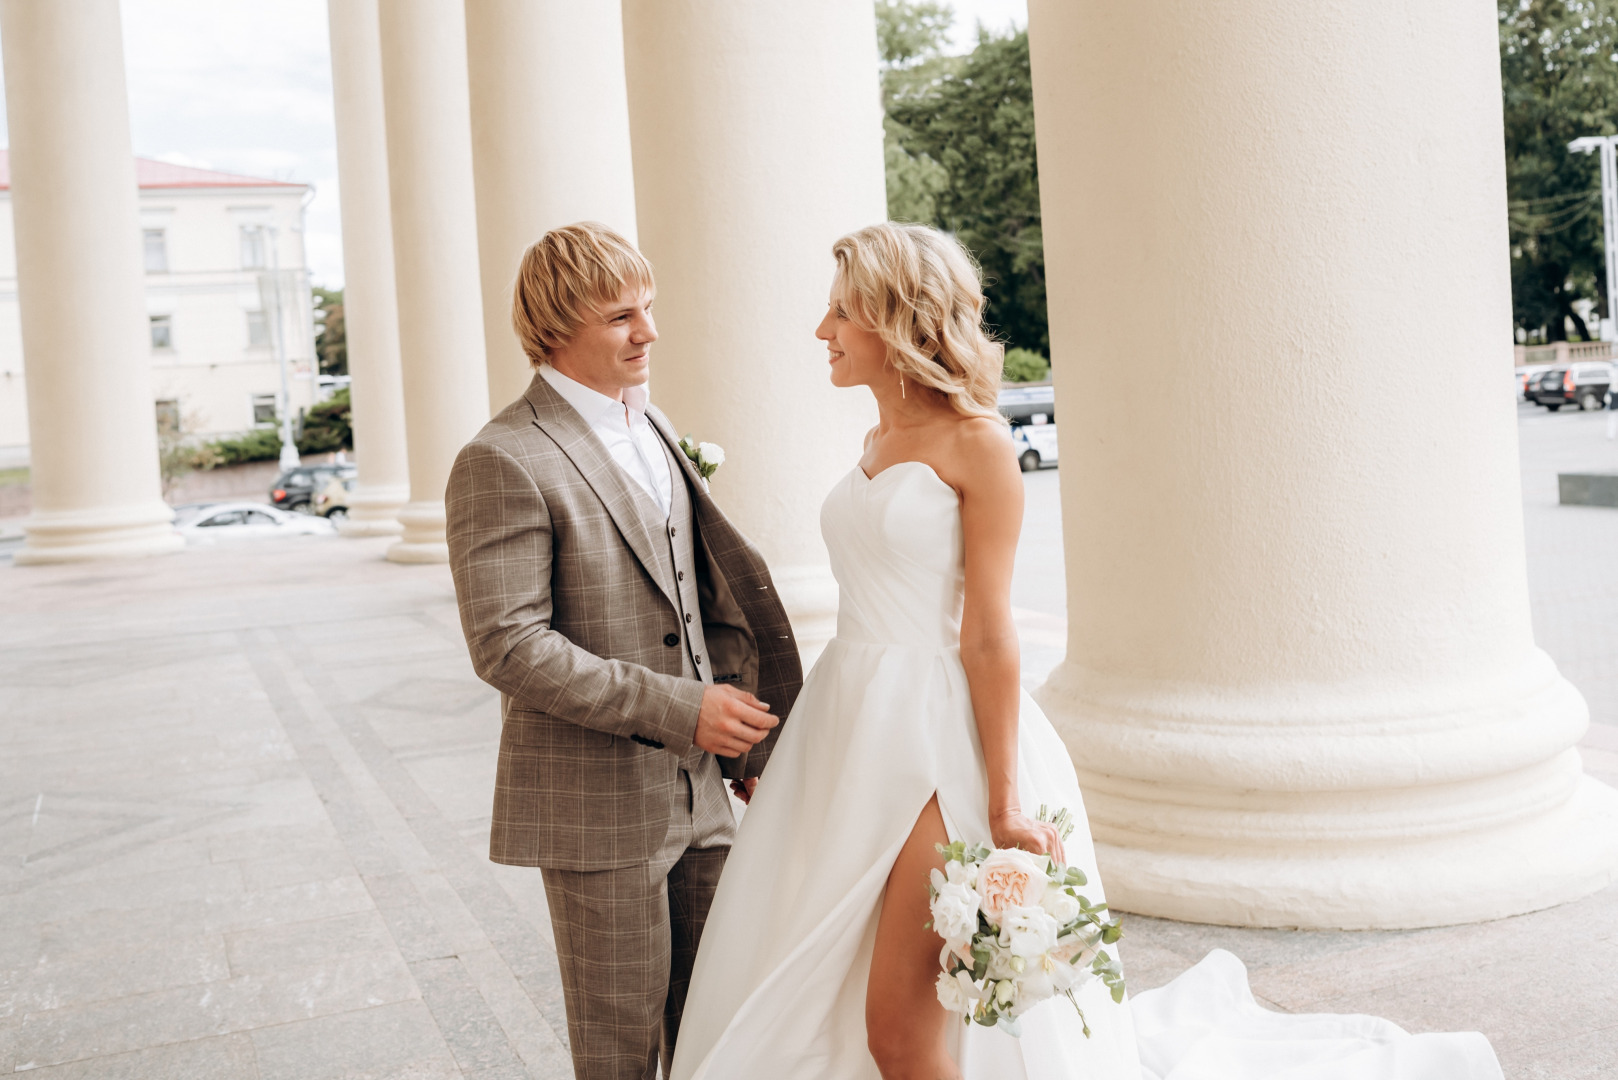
640 650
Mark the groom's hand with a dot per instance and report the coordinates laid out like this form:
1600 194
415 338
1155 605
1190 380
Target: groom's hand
732 721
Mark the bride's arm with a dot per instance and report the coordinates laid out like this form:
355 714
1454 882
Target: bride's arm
991 490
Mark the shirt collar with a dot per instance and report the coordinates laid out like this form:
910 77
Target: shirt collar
593 405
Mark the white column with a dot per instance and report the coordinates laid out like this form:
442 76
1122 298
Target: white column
758 142
370 307
550 145
86 344
1301 686
435 255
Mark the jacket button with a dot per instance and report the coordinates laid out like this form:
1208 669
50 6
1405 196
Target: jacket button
671 640
688 616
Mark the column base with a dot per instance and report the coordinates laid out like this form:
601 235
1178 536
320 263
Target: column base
1563 856
421 537
120 532
1338 807
374 511
809 594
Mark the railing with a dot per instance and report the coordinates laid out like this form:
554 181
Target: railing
1565 352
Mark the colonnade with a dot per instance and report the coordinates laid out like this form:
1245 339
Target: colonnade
1301 686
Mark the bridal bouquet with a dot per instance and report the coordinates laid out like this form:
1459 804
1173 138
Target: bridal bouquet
1016 932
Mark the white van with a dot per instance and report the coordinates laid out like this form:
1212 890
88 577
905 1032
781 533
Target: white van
1032 412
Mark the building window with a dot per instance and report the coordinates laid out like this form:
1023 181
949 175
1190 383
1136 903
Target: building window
258 330
168 416
263 408
253 247
162 332
157 251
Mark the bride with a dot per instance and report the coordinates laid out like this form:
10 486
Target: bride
911 731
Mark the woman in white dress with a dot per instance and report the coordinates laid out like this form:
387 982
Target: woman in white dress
912 730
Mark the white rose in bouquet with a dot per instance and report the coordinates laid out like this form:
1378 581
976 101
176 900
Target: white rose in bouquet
955 910
1028 932
1011 877
958 993
1062 905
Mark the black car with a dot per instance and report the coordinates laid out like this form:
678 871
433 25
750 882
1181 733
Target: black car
296 488
1582 383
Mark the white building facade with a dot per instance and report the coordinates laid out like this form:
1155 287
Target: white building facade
221 253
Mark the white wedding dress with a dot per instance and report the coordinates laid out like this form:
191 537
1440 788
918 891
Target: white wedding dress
884 721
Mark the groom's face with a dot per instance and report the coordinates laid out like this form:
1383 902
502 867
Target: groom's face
612 350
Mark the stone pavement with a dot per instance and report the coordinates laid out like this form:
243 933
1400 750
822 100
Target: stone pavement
244 802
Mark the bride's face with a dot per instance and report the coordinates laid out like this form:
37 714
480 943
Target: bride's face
858 357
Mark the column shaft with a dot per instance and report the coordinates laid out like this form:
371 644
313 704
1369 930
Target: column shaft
86 349
370 306
1301 685
757 132
550 145
435 255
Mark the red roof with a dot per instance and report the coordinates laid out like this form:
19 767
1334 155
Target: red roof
160 174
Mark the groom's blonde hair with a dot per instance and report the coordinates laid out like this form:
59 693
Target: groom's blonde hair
920 292
566 276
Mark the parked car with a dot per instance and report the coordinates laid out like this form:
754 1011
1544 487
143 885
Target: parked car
331 501
1032 412
1526 374
1036 445
207 523
295 488
1583 383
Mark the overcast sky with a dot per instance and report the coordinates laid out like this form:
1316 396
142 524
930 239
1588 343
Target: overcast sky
245 86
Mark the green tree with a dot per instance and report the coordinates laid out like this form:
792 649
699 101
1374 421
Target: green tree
975 119
910 36
331 337
1559 71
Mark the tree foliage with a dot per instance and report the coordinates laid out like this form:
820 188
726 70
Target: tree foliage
331 337
328 425
975 120
910 36
1559 70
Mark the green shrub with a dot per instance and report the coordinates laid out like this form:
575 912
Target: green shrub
260 444
328 426
1025 365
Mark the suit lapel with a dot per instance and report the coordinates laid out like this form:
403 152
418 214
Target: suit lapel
572 435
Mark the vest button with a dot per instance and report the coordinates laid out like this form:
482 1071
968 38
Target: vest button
671 640
672 530
688 616
681 575
697 658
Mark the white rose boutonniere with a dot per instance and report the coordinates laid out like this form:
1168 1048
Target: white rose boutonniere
706 456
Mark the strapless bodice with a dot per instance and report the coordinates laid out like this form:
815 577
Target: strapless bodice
895 543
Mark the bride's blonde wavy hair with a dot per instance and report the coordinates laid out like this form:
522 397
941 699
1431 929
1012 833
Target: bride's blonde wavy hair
921 293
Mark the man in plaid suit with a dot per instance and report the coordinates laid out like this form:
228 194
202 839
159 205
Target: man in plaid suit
639 646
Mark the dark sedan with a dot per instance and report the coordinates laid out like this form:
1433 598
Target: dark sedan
295 488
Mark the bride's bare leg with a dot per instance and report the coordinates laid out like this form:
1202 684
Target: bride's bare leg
904 1023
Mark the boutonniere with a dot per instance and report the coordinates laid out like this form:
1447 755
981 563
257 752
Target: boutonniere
707 457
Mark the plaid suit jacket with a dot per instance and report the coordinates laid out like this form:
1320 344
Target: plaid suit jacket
564 615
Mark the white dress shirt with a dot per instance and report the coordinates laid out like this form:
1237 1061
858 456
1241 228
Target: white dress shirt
622 426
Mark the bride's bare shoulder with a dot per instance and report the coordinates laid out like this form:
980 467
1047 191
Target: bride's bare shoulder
980 453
